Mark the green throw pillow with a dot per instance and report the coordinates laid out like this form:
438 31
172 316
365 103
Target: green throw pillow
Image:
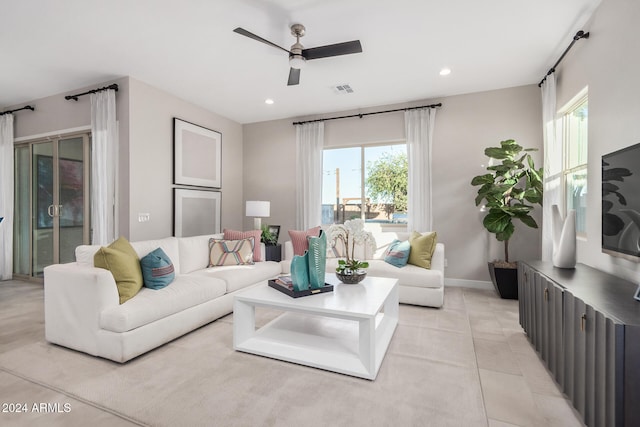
122 261
422 248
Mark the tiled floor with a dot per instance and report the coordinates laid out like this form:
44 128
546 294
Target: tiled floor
475 328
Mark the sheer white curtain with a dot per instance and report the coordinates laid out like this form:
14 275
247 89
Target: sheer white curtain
309 145
103 165
6 196
552 165
419 132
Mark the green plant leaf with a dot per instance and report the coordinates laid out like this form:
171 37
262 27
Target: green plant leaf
528 220
482 179
496 220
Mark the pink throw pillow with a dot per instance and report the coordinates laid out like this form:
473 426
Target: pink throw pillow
239 235
299 239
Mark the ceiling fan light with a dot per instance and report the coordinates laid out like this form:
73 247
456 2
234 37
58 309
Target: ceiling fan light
297 61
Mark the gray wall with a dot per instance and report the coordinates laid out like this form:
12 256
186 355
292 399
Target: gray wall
145 119
465 125
609 64
151 159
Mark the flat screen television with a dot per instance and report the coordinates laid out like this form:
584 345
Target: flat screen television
621 203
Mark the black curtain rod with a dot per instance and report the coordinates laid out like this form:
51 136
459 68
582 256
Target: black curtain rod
75 97
361 115
26 107
579 35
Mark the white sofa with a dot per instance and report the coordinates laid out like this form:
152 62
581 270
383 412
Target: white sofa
82 309
416 285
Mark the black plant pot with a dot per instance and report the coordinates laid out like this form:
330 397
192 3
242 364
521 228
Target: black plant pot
505 280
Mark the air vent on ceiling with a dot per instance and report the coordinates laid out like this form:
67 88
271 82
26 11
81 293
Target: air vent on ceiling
342 89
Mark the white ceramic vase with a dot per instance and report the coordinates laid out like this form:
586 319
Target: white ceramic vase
564 238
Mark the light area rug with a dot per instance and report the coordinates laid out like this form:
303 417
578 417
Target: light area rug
429 377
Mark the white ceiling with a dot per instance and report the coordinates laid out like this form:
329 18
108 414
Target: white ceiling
188 49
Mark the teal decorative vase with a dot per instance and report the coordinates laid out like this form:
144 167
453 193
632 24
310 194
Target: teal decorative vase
317 260
300 272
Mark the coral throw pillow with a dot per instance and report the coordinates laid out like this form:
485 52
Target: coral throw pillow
299 239
238 235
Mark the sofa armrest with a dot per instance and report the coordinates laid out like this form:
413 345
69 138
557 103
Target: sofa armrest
74 297
437 260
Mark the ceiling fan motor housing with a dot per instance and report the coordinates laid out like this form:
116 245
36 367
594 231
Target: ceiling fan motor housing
296 60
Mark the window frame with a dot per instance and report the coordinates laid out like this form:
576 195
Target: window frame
363 147
567 169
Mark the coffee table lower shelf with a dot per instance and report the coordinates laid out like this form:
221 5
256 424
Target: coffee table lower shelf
327 343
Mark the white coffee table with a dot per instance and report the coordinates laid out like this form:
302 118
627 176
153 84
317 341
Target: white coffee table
346 331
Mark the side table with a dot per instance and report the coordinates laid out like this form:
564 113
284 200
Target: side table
273 252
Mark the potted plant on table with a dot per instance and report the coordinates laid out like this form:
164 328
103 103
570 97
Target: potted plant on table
510 192
350 234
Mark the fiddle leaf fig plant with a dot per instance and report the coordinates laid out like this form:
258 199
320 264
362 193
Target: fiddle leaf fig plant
509 191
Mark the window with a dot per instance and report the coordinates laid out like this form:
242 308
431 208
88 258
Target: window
368 182
574 121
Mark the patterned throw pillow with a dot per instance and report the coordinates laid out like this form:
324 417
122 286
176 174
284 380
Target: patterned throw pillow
237 235
299 239
230 252
157 269
398 253
422 248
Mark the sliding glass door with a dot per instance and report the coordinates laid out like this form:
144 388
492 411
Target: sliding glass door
52 203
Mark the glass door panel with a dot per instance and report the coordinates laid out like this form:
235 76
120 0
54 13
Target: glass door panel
44 219
51 202
71 203
22 212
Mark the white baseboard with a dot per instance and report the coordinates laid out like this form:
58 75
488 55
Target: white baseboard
464 283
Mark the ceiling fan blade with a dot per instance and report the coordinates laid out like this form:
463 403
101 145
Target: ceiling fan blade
337 49
294 77
246 33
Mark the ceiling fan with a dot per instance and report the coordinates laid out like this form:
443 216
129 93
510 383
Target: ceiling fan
298 55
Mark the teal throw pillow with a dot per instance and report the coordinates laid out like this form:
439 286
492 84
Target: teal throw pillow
398 253
157 269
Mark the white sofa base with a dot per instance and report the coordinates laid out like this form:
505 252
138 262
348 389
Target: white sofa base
416 285
78 296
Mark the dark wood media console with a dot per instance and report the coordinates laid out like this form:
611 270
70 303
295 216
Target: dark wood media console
585 325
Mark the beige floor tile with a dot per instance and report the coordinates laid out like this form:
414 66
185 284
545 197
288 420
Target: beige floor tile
507 398
496 356
433 344
45 407
496 423
539 379
557 411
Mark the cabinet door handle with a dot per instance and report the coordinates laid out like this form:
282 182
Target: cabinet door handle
546 294
583 320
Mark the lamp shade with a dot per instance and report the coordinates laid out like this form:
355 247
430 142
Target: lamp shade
258 208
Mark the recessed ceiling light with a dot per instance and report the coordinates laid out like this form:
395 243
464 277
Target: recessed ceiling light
445 71
268 101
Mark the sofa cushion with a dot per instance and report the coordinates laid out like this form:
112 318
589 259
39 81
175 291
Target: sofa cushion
194 252
231 252
422 247
240 276
299 239
169 246
237 235
157 269
150 305
409 275
85 253
398 253
123 263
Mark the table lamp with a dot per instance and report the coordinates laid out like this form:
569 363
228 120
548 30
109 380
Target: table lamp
258 209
